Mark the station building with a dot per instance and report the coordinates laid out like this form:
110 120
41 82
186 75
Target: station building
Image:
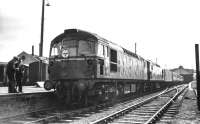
186 73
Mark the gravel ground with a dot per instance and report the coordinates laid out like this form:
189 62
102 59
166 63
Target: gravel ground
188 112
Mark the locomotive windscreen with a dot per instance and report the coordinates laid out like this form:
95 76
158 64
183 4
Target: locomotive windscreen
70 47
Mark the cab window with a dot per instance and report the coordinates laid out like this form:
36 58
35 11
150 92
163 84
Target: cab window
70 46
56 49
86 48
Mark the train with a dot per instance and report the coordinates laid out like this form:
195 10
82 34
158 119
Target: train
84 66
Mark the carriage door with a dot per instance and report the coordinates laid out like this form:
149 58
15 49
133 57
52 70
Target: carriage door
148 70
101 54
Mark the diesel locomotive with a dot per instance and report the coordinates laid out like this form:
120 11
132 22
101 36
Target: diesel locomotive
84 65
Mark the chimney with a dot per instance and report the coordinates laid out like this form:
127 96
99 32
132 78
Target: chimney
32 50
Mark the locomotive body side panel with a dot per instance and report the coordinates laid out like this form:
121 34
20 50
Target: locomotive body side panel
120 65
157 73
132 68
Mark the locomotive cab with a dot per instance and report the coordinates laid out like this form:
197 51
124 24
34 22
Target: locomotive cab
72 56
77 54
74 62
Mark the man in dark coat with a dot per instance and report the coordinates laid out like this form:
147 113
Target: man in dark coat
10 72
19 74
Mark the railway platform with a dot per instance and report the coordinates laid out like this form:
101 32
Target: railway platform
33 98
25 89
188 112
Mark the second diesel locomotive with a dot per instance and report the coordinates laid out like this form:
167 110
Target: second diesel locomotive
84 65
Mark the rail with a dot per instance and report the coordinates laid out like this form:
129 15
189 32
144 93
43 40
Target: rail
195 92
127 109
164 108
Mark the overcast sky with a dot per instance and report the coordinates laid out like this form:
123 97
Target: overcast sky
164 30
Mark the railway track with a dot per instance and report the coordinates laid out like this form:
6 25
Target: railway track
168 116
147 111
85 115
195 92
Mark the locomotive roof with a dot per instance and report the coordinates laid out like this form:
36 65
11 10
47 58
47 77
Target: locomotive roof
153 63
118 47
81 33
85 34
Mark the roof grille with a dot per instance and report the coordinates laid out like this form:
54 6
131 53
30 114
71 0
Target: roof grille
69 31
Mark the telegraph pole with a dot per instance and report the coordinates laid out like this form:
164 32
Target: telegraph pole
41 41
41 38
42 30
197 75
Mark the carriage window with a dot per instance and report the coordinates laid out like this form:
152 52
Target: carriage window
107 51
113 60
100 50
151 67
113 55
101 62
103 50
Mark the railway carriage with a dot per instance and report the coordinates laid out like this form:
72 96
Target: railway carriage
84 65
167 74
176 77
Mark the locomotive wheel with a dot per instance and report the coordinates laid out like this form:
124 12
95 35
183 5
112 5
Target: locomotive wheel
85 98
60 92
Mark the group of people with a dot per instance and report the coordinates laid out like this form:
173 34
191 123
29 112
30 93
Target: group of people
15 73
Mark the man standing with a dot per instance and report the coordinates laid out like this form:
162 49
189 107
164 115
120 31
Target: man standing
10 72
20 73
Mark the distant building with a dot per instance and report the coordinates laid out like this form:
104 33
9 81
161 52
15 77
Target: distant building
186 73
34 62
30 58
